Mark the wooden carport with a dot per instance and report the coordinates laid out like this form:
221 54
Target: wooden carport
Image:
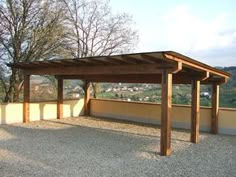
165 67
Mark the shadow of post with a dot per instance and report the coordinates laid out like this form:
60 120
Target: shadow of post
72 107
3 113
41 110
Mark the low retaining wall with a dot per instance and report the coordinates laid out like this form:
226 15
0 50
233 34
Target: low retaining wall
13 112
132 111
151 113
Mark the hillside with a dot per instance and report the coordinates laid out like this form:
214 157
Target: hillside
181 93
228 90
45 89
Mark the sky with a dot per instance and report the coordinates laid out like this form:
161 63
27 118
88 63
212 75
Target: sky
204 30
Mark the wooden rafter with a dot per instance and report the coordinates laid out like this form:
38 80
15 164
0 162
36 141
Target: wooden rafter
150 58
122 60
107 61
136 60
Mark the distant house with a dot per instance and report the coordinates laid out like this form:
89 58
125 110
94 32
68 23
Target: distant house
205 94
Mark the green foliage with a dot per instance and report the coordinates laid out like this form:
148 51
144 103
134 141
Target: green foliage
181 93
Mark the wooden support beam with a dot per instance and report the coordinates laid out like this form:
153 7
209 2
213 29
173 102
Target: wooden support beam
59 98
26 108
178 78
166 97
195 111
215 109
100 70
87 98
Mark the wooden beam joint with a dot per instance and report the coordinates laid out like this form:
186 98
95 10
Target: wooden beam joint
177 67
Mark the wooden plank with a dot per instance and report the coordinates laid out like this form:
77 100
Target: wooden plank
215 109
26 108
96 70
91 61
137 60
166 105
59 98
152 59
123 60
86 98
116 60
195 111
107 61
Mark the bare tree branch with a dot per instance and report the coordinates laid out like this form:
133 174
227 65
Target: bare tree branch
29 30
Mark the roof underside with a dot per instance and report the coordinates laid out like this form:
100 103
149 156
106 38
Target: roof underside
130 68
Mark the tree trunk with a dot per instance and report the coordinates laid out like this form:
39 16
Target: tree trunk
95 90
12 93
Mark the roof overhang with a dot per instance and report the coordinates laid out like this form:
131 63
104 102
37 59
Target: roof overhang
130 68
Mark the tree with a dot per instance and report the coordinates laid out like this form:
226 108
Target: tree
29 30
45 29
93 30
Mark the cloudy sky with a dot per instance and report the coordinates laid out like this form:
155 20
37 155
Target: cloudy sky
202 29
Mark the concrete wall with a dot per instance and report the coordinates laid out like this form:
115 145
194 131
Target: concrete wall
12 112
133 111
151 113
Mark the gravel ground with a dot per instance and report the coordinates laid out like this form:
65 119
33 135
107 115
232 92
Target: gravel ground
94 147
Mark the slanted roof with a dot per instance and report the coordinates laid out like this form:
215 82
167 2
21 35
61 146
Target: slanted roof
133 68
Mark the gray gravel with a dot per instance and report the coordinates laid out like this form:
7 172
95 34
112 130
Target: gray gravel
92 147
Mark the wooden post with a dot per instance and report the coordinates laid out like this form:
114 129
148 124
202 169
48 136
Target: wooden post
26 108
59 98
195 111
166 98
86 98
215 109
